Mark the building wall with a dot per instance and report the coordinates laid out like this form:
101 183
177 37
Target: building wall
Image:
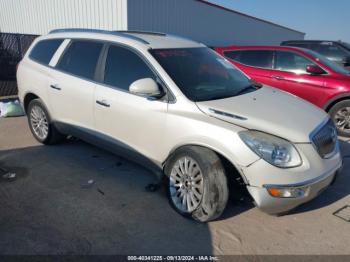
41 16
190 18
208 24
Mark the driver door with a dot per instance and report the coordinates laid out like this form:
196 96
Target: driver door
133 122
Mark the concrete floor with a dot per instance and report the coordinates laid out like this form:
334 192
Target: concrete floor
47 211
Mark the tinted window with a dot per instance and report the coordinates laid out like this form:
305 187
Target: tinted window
202 74
81 58
332 65
123 67
292 62
256 58
44 50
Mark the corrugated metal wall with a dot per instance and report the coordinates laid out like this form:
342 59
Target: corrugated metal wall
41 16
205 23
191 18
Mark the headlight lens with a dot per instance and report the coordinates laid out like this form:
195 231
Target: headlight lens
274 150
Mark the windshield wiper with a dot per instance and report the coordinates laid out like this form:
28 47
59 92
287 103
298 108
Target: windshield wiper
217 97
257 84
254 85
245 89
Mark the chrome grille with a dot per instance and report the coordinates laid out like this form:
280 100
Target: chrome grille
325 139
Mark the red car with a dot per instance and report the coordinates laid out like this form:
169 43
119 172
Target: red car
301 72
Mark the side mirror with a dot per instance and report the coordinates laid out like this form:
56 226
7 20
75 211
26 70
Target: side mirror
314 70
146 87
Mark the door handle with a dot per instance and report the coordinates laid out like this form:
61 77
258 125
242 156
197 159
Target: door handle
278 77
102 103
55 87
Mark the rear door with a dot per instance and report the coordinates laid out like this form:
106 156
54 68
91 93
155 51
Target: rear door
71 86
257 64
290 75
133 122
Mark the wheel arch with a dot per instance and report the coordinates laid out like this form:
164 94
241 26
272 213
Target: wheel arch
335 100
28 97
232 168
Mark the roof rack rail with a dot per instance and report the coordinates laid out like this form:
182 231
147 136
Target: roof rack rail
98 31
142 32
184 38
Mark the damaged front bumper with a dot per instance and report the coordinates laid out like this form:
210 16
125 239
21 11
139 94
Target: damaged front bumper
277 190
304 192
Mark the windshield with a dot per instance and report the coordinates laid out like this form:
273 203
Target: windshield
202 74
332 65
347 45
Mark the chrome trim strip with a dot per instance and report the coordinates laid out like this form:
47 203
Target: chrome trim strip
315 131
318 128
218 112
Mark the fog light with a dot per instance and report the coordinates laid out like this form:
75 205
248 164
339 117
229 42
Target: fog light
288 192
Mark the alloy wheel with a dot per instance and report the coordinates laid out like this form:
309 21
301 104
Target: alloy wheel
342 119
39 122
186 184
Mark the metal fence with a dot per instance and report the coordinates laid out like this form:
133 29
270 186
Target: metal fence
12 49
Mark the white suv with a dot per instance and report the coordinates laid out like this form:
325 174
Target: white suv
177 105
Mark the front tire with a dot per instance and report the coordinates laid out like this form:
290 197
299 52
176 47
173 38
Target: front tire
197 185
340 114
40 124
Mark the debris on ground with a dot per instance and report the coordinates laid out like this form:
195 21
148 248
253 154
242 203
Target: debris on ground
100 191
9 176
152 187
88 184
6 175
11 109
72 138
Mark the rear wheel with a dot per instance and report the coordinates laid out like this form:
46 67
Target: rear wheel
197 185
40 124
340 114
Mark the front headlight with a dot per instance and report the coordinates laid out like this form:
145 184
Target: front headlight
275 150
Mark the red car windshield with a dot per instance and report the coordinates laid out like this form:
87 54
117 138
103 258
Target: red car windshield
201 74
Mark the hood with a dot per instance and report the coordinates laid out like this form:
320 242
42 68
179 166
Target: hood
269 110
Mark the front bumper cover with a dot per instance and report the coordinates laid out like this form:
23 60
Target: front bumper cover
275 205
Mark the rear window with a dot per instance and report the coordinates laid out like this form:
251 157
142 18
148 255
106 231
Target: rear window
44 50
302 45
81 58
256 58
